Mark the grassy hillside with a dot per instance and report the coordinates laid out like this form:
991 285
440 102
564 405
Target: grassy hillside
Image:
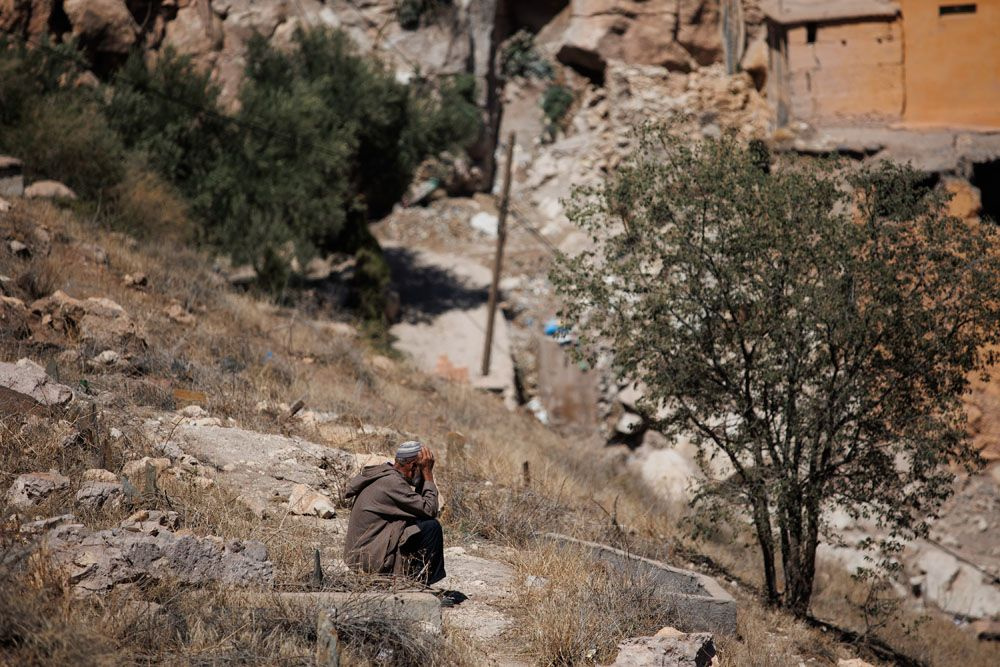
249 357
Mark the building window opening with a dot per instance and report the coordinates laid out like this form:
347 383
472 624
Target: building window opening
948 10
986 177
811 33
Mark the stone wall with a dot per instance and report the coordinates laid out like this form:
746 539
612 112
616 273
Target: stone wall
842 71
952 64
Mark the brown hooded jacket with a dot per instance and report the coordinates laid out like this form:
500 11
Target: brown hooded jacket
386 509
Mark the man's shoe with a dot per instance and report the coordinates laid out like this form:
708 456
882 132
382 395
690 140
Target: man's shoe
451 598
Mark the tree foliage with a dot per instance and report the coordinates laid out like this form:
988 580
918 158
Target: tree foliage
323 140
58 129
812 326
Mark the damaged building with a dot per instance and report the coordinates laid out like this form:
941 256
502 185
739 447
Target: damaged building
912 63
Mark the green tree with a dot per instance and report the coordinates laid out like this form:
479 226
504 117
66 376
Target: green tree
814 326
55 127
169 112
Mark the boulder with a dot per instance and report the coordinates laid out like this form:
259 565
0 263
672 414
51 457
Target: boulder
18 248
955 586
698 30
32 488
48 190
195 31
668 650
966 199
104 26
676 35
306 502
98 322
14 318
485 223
135 471
97 561
629 423
630 395
99 475
28 378
98 495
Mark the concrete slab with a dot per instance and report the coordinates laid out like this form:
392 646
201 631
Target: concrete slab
417 607
931 150
703 605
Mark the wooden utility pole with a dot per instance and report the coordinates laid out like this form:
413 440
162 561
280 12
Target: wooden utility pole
498 260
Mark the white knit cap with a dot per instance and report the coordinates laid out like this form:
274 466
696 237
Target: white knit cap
408 450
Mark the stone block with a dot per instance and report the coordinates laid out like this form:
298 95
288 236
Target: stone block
702 605
674 650
423 609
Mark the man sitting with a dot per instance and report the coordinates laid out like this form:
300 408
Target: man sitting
393 529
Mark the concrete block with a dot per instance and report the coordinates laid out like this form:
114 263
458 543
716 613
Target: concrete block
421 608
701 603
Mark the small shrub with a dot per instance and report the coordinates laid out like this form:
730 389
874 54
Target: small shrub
556 101
518 57
146 206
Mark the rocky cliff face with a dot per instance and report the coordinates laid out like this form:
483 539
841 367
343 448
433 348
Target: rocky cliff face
443 37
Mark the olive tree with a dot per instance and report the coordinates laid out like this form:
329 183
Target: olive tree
814 325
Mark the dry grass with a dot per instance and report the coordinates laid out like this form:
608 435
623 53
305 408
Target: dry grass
769 638
587 607
241 352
